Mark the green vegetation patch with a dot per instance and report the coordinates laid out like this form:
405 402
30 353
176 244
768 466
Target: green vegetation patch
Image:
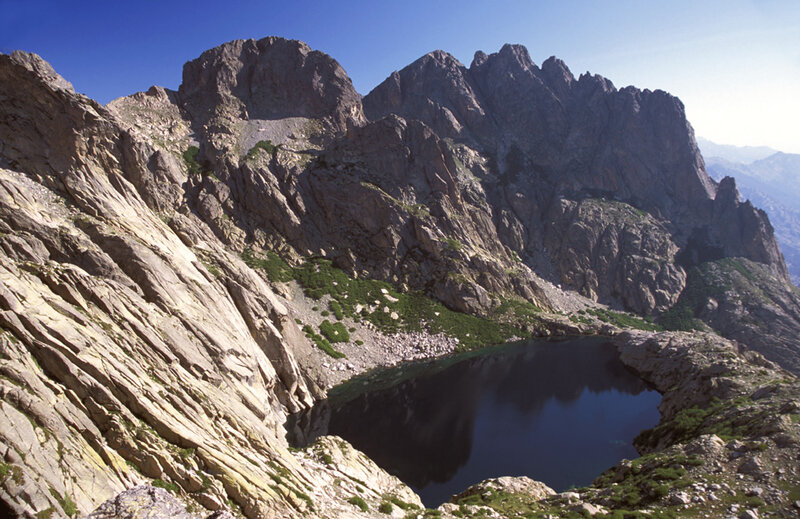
185 454
385 508
47 513
336 308
646 480
65 502
399 503
190 159
323 343
691 422
359 502
334 332
194 166
14 472
710 280
738 266
267 146
172 487
580 319
276 269
624 320
452 244
508 504
696 293
379 303
414 209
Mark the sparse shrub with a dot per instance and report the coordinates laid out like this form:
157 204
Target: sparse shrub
452 244
624 320
334 332
261 145
359 502
8 470
385 508
190 159
47 513
185 454
336 308
402 504
322 343
172 487
65 502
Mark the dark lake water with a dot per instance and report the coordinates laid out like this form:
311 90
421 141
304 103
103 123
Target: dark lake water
559 412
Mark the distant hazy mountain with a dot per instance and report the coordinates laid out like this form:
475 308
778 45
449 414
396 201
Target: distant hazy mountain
739 154
772 184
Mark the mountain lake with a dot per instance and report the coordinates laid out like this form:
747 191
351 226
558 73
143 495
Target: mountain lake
560 412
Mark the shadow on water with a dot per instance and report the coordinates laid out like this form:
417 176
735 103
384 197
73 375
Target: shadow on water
560 412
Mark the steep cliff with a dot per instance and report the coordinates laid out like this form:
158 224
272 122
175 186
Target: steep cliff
134 344
552 137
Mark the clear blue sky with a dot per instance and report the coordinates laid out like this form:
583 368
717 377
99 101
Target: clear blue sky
734 63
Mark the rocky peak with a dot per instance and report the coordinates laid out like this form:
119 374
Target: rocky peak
596 81
515 54
551 136
435 89
727 192
440 58
745 230
47 128
556 72
41 68
479 59
271 78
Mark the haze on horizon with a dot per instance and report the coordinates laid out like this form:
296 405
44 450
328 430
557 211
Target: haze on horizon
735 64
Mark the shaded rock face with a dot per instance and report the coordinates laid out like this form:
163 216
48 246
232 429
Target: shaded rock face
743 301
551 135
613 252
390 199
500 145
272 78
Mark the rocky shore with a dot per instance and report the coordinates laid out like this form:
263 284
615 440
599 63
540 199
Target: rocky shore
727 445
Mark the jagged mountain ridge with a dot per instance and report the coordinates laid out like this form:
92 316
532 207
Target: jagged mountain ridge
539 138
137 346
573 139
473 184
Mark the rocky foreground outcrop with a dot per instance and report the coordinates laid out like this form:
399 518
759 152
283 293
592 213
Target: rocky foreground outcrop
137 346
